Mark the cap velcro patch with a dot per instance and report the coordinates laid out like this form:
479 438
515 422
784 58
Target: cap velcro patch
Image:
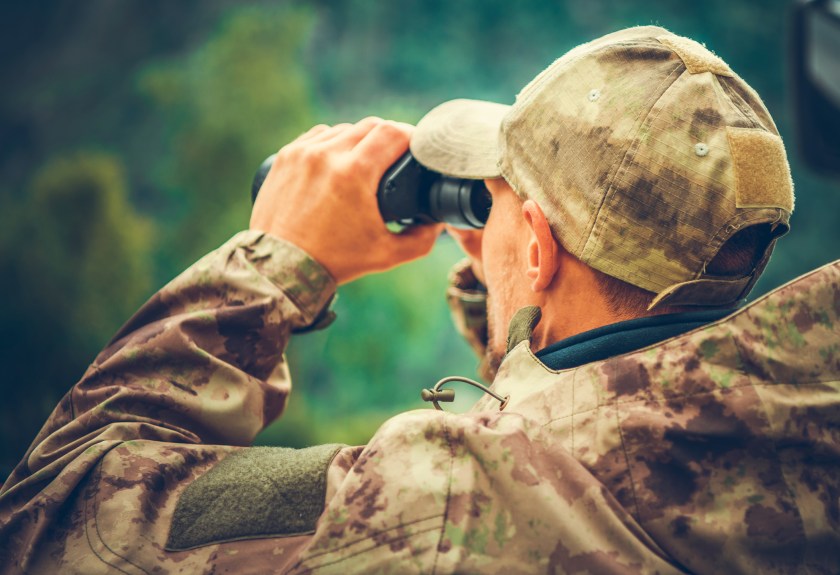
762 175
695 56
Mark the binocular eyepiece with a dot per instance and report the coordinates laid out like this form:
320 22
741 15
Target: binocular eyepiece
411 194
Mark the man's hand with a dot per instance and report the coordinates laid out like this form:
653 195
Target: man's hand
470 242
321 195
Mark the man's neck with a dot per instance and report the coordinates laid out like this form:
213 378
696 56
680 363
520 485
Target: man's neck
573 304
559 324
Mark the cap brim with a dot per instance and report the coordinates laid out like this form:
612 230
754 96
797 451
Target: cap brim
460 138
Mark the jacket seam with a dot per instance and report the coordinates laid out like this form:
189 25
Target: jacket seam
371 536
93 516
96 517
448 494
659 400
791 492
388 542
629 469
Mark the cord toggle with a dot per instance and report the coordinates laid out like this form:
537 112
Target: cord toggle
436 394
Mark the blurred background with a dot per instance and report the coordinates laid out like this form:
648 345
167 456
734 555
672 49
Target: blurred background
130 131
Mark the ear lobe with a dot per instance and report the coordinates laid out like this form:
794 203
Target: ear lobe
542 247
533 259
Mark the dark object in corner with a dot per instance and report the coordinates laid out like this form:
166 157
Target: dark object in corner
815 66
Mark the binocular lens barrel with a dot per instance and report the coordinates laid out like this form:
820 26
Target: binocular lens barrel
461 203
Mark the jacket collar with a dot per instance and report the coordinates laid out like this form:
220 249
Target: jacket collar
781 337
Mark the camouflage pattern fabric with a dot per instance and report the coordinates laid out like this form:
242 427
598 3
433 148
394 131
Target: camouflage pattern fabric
713 452
645 151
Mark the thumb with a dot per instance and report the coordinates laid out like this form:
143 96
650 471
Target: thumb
469 240
415 241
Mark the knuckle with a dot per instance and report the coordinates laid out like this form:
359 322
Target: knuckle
393 132
389 128
362 163
313 131
285 154
371 121
343 169
313 155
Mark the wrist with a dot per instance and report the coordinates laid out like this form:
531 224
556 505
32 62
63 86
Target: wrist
302 278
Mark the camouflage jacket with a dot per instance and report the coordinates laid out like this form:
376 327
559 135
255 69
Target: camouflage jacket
713 452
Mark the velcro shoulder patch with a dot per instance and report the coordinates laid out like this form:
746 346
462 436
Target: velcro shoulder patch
254 493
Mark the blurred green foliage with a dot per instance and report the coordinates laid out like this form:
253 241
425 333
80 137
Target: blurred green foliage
187 98
76 260
88 242
232 99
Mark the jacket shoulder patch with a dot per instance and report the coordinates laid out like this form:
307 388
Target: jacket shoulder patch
253 493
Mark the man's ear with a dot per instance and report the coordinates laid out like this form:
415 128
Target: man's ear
543 259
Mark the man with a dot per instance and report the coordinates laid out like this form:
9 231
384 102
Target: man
635 181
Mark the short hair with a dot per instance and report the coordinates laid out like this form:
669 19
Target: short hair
737 257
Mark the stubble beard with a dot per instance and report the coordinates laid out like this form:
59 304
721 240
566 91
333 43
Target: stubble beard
495 351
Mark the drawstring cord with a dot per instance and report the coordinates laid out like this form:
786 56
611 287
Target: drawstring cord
437 394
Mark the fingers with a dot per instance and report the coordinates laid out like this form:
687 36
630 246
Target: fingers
356 132
346 133
329 134
351 135
323 133
414 242
383 145
375 143
469 240
313 131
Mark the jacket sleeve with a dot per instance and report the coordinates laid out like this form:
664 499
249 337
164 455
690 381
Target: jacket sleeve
467 299
142 468
201 363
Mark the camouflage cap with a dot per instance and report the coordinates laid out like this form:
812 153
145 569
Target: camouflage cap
645 151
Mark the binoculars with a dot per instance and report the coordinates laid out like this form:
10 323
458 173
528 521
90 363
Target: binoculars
410 194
